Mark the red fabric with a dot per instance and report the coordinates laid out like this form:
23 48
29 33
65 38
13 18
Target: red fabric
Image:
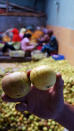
15 31
39 47
16 37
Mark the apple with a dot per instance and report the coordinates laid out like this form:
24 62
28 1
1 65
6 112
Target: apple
16 85
42 77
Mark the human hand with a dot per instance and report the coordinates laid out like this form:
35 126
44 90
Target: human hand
45 104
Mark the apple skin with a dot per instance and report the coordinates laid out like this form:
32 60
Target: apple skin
16 85
43 77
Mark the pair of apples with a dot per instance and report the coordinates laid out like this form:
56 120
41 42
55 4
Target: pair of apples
17 84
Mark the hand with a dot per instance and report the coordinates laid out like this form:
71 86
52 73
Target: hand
45 104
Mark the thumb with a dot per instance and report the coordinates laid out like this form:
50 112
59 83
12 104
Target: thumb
58 87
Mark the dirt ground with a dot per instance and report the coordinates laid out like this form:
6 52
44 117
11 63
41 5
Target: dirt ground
7 65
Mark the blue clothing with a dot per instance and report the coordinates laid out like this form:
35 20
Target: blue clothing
45 47
52 46
48 47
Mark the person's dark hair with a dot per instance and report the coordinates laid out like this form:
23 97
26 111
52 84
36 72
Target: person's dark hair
50 33
28 35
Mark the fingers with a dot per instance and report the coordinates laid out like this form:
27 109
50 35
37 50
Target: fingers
21 107
59 83
22 99
8 99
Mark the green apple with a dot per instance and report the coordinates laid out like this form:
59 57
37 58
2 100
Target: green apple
43 77
16 84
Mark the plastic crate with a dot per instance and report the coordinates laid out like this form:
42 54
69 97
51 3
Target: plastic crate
58 57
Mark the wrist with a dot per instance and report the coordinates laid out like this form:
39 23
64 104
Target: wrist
66 117
60 114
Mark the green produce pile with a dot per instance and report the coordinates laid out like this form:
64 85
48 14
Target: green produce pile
11 120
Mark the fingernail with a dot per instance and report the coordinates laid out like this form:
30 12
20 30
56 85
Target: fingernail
58 75
28 73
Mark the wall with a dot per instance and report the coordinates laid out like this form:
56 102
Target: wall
66 42
63 16
21 21
61 20
30 3
7 22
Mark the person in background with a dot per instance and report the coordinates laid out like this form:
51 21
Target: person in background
42 41
47 104
36 35
51 46
6 47
53 42
9 34
45 44
26 46
16 38
22 32
5 37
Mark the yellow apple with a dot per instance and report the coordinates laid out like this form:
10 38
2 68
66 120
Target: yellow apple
43 77
16 84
